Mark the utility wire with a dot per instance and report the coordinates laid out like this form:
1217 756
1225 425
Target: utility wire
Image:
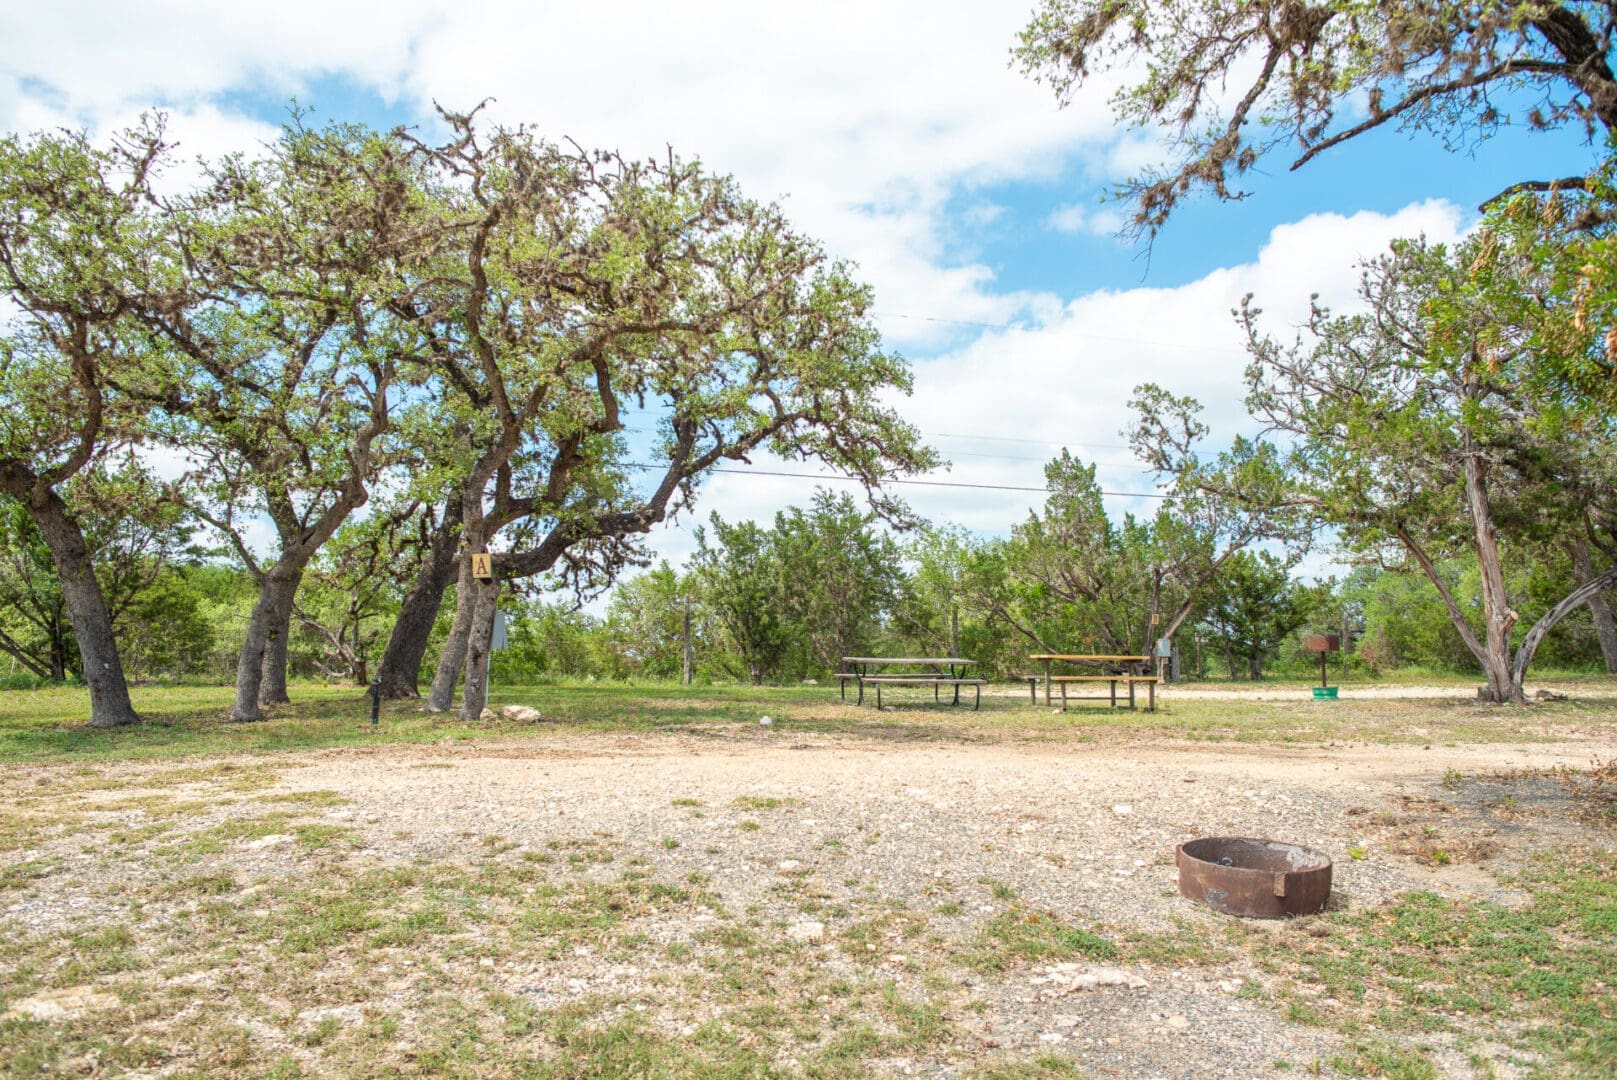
911 483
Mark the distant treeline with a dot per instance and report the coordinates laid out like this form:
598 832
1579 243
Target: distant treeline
776 602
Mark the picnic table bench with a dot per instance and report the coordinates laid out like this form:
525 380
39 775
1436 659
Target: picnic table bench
865 670
1126 669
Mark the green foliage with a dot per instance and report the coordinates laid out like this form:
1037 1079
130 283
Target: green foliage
1254 607
1224 83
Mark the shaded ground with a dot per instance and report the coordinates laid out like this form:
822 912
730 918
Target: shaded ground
920 892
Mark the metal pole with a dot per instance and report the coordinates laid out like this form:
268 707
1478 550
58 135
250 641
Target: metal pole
376 699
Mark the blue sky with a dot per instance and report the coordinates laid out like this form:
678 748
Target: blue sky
895 131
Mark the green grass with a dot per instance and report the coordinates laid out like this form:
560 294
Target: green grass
1020 936
444 945
47 724
1539 978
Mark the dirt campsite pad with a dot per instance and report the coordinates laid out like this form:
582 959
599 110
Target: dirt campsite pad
744 900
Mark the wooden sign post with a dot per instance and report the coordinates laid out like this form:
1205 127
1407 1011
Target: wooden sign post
483 566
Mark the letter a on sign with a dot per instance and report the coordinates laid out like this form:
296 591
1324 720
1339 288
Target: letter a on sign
483 566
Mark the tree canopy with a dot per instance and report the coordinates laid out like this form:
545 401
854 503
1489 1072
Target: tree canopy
1227 83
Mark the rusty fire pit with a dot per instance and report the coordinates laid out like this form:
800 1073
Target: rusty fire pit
1259 879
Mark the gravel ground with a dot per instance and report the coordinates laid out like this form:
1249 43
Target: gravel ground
1084 833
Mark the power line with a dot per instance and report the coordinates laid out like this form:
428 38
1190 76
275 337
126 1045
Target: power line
911 483
989 438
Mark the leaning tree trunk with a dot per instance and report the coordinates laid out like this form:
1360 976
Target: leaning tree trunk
272 690
474 695
1569 603
275 593
453 659
1583 572
400 669
87 610
1503 687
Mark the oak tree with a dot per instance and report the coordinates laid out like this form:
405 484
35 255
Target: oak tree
1228 81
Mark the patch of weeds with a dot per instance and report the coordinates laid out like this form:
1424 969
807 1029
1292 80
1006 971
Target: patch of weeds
101 952
1375 1058
748 825
583 851
216 884
326 920
323 1032
950 908
669 843
304 798
999 890
921 1025
1043 1067
320 837
872 939
1187 943
22 875
1357 853
685 802
1030 936
1452 779
755 802
1536 978
413 926
251 828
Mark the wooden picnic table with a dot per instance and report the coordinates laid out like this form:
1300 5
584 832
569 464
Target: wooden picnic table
1130 670
866 669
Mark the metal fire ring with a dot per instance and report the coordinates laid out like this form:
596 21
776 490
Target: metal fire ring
1259 879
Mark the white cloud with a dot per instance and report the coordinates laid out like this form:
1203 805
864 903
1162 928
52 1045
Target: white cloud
1065 379
864 118
873 122
1068 218
1075 218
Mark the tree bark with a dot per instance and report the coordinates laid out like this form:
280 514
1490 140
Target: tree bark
1569 603
474 695
400 668
1496 659
275 592
272 690
86 609
1583 572
442 694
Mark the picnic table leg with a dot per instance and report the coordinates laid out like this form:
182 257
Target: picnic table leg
1063 695
935 693
1151 696
1131 693
1033 690
1047 687
860 679
878 697
1114 693
979 706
